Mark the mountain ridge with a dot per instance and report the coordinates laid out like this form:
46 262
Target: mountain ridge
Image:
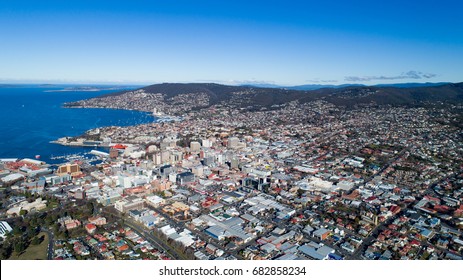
320 86
178 98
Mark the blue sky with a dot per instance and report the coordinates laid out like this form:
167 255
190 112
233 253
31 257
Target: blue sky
280 42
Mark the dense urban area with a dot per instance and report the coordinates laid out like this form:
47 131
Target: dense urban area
288 180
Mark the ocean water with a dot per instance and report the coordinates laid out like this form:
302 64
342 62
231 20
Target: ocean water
31 117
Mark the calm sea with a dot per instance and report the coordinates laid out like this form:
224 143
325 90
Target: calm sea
31 117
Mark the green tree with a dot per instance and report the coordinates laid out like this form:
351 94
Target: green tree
49 220
31 232
35 240
56 228
19 247
5 251
34 221
17 231
69 247
90 207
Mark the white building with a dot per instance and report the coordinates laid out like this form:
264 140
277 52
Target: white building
195 146
154 200
4 229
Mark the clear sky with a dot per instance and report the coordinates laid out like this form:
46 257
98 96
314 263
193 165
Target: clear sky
233 42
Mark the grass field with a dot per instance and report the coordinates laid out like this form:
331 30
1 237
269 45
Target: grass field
33 252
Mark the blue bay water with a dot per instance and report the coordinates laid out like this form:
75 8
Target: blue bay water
31 117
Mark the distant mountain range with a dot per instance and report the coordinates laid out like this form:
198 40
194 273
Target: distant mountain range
319 86
252 97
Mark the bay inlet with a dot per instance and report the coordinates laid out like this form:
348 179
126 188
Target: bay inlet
33 116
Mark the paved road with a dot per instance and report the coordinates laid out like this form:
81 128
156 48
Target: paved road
140 230
51 238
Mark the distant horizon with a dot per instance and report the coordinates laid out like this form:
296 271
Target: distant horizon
118 83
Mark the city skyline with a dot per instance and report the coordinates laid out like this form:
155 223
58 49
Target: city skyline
233 43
